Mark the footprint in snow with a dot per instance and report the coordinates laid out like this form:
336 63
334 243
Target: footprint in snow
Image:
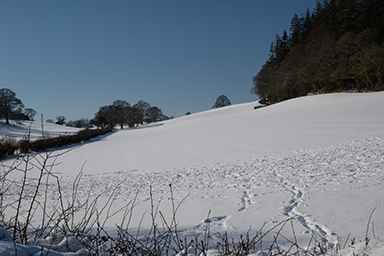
245 201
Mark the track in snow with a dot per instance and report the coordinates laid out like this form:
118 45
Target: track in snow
357 163
248 167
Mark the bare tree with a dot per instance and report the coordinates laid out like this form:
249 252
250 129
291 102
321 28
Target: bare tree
9 104
61 120
121 109
105 116
133 117
81 123
30 113
142 106
153 114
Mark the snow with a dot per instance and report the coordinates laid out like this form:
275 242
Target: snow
34 130
318 159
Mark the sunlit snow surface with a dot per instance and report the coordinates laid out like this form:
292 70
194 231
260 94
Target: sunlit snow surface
34 130
319 158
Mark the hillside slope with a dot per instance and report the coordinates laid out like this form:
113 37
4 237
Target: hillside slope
319 159
33 129
236 132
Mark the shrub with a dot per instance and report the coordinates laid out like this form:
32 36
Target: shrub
8 146
24 146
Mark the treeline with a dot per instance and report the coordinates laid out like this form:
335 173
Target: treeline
122 113
119 113
339 46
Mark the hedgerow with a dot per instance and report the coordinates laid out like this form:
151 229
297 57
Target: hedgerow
9 146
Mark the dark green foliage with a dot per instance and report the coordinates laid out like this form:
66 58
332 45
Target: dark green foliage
295 30
221 101
320 14
280 48
337 47
307 26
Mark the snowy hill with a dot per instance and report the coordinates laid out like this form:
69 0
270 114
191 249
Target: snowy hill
34 129
318 158
237 132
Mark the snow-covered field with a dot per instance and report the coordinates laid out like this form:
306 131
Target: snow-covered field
33 130
318 158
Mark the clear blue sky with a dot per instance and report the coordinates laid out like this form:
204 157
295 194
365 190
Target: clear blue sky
71 57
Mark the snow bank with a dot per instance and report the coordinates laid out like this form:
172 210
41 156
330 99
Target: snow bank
8 247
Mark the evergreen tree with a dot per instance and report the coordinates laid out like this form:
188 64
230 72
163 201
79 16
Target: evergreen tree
284 47
274 49
344 50
307 26
349 16
221 101
334 11
372 16
295 30
279 48
319 16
